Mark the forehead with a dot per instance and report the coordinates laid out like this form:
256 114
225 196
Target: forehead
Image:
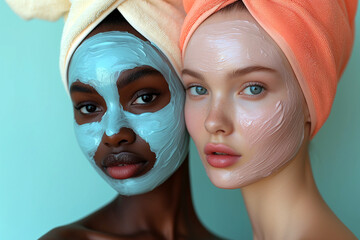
104 56
113 22
106 50
234 35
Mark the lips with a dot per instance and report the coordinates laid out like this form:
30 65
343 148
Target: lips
220 156
123 165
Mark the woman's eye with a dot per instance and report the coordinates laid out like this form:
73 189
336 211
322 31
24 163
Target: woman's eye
145 98
197 90
253 90
88 109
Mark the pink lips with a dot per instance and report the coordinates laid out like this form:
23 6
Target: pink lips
124 171
123 165
220 156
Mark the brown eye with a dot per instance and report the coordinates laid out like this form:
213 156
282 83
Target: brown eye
145 98
88 109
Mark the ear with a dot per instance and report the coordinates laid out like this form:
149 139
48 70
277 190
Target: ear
307 119
307 116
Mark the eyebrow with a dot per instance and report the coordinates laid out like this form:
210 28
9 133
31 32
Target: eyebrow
80 88
236 73
192 73
247 70
134 75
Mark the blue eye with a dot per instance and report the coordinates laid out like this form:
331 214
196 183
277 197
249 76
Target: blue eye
197 90
253 90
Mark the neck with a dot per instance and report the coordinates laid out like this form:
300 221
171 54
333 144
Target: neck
166 211
270 201
288 205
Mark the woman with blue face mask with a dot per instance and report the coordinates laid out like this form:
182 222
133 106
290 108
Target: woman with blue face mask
128 118
128 112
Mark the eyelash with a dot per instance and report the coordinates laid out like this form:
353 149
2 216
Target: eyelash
144 93
82 105
188 89
250 84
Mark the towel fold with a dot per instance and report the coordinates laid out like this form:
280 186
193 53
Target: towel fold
159 21
316 37
50 10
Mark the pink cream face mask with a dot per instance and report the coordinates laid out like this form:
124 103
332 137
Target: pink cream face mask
226 57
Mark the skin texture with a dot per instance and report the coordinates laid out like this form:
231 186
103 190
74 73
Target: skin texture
157 81
242 95
265 130
111 144
163 213
106 64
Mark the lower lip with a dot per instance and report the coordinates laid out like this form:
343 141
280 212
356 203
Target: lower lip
125 171
221 161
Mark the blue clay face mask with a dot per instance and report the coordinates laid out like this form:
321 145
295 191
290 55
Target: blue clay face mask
98 63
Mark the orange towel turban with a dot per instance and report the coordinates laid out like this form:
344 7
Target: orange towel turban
315 36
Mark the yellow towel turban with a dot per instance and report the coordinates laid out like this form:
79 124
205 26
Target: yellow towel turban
158 20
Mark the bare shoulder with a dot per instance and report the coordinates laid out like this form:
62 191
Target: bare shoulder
79 232
74 231
89 227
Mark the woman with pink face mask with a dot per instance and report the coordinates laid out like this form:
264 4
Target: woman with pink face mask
260 78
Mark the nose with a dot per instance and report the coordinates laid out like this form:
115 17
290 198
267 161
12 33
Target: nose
124 136
218 120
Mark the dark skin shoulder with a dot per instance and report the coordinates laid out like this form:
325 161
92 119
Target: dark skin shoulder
120 219
78 231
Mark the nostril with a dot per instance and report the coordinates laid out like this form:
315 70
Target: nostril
121 142
124 136
124 141
220 131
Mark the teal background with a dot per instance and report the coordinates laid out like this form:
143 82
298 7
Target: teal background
45 181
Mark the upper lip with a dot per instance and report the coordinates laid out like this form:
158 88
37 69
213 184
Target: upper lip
116 159
212 148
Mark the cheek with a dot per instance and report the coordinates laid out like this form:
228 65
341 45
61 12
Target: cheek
273 139
194 118
89 137
262 126
189 118
279 127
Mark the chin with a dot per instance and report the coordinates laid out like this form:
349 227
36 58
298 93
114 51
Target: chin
222 178
230 179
